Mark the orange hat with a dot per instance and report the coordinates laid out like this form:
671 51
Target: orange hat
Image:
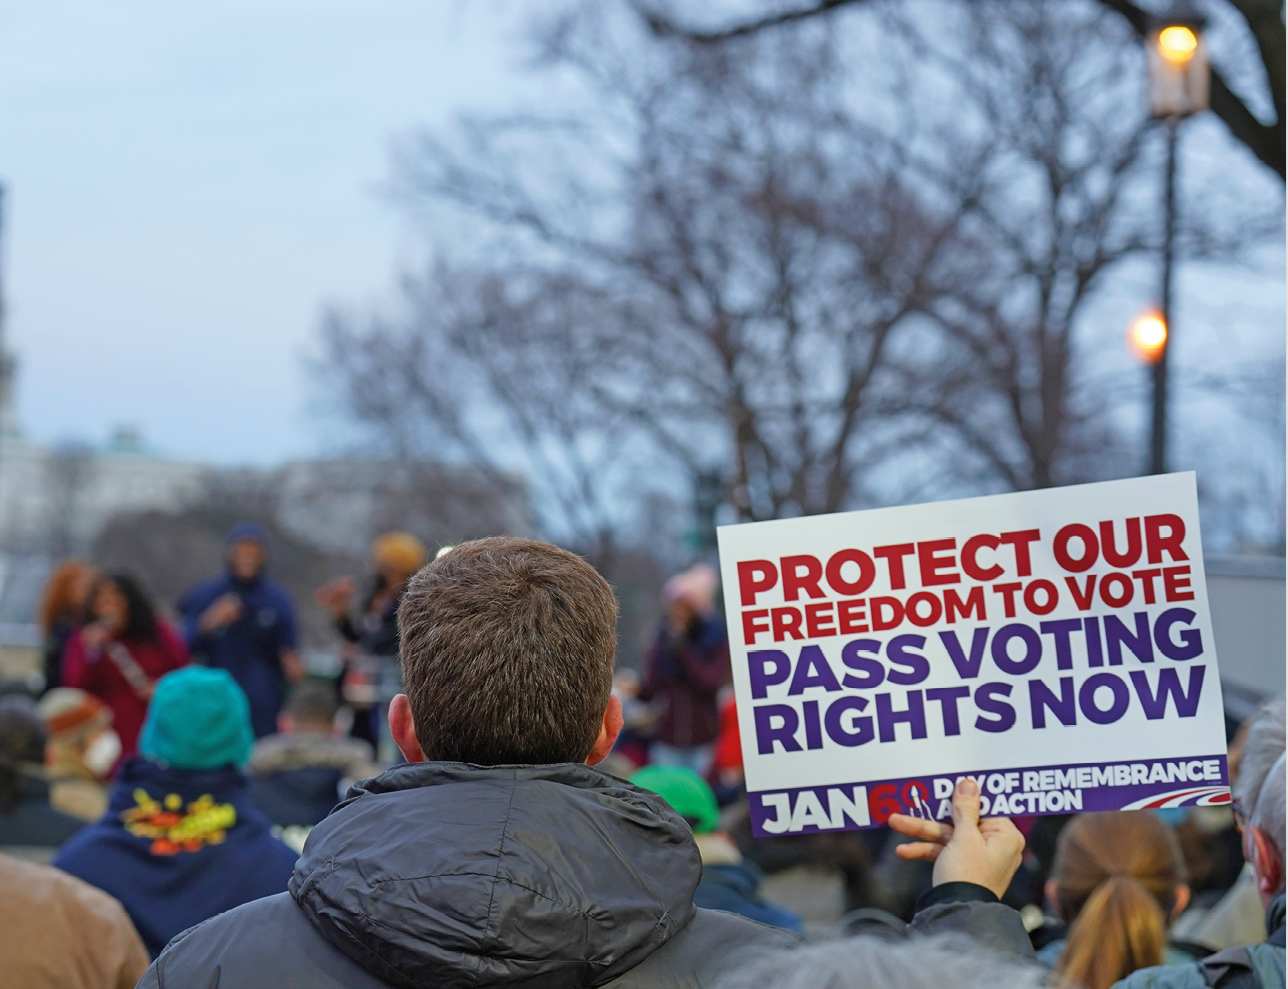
400 550
66 709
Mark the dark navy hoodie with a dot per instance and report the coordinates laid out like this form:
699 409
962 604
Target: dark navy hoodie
251 647
177 847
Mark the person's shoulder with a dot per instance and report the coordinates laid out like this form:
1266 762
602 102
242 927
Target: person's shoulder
267 942
712 942
72 893
1189 976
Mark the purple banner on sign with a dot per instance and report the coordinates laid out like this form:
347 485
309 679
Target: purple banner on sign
1201 781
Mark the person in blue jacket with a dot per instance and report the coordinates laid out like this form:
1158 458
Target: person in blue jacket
244 623
728 881
181 840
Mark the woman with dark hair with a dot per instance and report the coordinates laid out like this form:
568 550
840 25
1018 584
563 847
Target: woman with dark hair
121 653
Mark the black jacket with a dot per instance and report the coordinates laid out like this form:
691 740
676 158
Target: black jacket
444 875
32 828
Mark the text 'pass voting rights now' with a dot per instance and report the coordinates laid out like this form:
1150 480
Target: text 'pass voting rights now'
1055 645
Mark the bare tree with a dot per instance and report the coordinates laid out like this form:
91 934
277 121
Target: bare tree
734 263
1064 200
763 248
1263 20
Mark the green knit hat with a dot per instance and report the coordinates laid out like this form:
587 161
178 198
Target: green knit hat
199 718
686 792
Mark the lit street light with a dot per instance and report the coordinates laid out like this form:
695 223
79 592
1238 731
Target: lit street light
1178 87
1147 336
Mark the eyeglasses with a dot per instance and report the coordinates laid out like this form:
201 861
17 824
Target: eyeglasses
1241 816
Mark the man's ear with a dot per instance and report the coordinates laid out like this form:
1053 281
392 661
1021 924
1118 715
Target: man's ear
608 731
403 729
1182 900
1266 863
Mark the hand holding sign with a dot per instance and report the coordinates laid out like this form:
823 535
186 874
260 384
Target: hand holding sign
969 850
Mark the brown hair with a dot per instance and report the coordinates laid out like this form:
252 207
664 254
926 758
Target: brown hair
507 653
59 600
1116 875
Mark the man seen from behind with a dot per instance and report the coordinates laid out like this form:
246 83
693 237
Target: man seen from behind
498 855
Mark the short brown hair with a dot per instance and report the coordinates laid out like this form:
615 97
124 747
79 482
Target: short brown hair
507 653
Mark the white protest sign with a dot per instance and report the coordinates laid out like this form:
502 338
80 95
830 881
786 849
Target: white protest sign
1056 645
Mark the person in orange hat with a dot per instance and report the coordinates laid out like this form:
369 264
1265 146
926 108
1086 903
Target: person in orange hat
82 751
372 639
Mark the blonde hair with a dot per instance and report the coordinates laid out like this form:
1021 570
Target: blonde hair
1116 874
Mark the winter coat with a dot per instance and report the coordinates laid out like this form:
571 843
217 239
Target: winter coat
249 648
729 882
295 779
683 675
34 829
57 636
177 846
448 875
736 888
61 933
1258 966
93 671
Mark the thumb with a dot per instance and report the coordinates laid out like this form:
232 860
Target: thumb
966 805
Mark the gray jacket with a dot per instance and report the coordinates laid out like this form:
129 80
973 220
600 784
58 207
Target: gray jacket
1257 966
445 875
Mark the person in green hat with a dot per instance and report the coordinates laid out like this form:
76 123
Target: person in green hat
728 881
181 840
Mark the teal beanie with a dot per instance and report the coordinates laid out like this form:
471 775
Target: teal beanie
199 718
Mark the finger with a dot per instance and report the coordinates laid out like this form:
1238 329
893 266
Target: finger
966 804
919 827
923 851
1002 830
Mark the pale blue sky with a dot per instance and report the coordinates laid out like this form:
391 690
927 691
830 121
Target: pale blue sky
190 183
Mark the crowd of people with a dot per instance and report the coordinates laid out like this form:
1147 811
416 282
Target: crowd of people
185 805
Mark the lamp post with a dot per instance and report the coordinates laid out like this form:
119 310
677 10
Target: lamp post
1178 87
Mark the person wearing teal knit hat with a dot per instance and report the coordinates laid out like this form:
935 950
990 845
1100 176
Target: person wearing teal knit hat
182 839
728 882
199 718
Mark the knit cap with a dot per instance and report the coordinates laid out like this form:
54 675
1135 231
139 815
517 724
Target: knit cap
67 710
686 792
199 718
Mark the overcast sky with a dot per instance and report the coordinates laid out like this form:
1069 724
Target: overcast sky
188 184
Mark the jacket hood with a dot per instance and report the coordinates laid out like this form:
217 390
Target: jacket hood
303 750
450 875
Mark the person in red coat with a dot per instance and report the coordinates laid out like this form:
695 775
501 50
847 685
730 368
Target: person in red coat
121 653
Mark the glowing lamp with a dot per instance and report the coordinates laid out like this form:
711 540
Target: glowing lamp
1177 43
1178 63
1147 336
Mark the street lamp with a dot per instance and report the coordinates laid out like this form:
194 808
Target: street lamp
1178 87
1147 336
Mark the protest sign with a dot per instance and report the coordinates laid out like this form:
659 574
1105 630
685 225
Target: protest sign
1056 645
